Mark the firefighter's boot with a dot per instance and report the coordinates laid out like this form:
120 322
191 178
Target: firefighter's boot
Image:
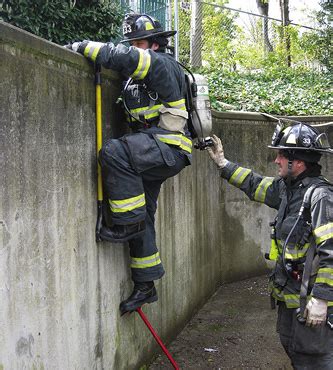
122 233
144 292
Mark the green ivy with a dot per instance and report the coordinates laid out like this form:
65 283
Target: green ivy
62 21
285 91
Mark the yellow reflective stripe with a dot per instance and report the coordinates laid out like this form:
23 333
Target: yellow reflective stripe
324 280
260 193
152 115
323 232
125 205
274 251
153 111
179 104
294 254
92 49
279 245
147 112
143 65
292 300
277 293
141 109
178 140
239 176
326 270
145 262
325 275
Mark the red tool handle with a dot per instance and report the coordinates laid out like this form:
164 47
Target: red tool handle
157 338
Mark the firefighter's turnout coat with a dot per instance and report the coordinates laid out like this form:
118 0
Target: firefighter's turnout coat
307 347
273 192
135 166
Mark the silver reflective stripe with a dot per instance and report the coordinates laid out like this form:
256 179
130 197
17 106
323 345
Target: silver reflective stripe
238 177
178 104
143 65
292 300
125 205
296 253
323 232
325 275
146 262
92 49
177 140
260 193
186 143
147 112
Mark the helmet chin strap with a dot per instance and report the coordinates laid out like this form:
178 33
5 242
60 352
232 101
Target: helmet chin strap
289 173
289 177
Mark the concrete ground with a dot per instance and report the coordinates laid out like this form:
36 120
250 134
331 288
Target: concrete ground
234 330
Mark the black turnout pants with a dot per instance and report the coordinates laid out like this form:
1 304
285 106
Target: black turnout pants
308 348
133 170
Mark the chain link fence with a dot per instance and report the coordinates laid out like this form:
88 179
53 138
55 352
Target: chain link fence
221 37
217 36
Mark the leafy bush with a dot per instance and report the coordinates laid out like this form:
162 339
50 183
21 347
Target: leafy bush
324 40
62 21
285 92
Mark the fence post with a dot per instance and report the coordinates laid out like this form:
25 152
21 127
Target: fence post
177 29
196 33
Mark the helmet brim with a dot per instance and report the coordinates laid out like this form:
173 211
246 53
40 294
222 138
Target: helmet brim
152 35
328 150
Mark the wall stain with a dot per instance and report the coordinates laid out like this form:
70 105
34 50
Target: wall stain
24 346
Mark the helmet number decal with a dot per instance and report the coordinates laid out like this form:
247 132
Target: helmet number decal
127 29
306 141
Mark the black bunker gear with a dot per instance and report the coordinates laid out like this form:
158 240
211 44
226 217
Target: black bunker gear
135 166
308 347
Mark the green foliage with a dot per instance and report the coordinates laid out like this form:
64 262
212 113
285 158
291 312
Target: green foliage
184 35
62 21
218 33
259 45
325 36
280 91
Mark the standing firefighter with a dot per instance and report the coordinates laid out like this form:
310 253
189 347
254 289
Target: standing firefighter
135 166
302 239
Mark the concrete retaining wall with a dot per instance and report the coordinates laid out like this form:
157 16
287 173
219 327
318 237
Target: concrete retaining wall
59 290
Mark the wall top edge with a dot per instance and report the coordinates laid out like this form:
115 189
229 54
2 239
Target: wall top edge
29 42
255 116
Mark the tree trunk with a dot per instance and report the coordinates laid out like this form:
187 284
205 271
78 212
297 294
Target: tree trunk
263 6
196 33
284 7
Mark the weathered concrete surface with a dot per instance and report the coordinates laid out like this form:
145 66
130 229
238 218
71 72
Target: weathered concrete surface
59 290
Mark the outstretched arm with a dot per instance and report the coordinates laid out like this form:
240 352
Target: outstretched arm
130 62
259 188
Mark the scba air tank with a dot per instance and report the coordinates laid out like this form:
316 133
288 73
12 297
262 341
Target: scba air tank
203 123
